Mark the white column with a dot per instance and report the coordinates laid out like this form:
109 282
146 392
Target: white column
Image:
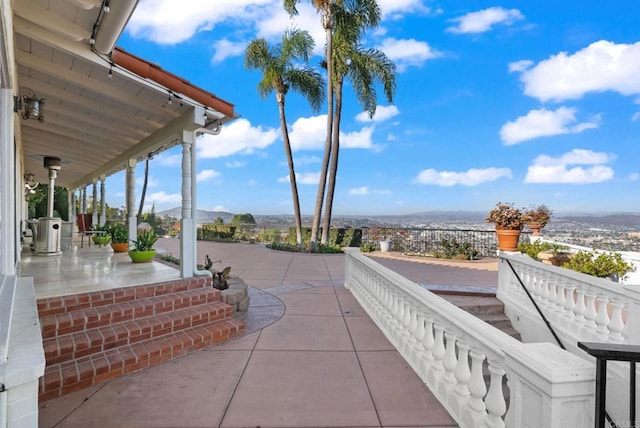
8 229
131 200
94 216
73 211
83 200
187 224
103 202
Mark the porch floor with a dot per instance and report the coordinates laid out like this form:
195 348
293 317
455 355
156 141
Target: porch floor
310 356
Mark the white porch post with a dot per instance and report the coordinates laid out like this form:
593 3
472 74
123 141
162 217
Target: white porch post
94 215
103 202
83 200
8 253
187 224
131 200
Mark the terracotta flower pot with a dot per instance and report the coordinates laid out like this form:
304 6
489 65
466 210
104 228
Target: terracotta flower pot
121 247
508 239
535 228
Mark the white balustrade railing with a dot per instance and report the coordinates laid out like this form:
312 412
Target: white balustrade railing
468 364
579 307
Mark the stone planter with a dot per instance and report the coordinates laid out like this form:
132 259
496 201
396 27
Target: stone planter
535 228
385 246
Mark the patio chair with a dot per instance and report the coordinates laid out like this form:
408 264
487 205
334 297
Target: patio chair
85 224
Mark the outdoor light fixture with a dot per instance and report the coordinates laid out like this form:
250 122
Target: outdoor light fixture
110 74
29 106
30 183
105 7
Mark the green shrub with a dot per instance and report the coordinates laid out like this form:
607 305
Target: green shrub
603 265
532 249
452 249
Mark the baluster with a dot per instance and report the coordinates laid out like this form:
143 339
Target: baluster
418 350
496 405
553 294
412 325
462 374
569 304
580 308
428 343
560 297
450 362
616 325
590 311
544 289
477 388
437 351
602 319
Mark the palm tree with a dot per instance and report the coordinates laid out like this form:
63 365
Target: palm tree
364 68
279 74
326 7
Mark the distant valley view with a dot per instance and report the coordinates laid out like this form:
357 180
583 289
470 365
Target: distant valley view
616 232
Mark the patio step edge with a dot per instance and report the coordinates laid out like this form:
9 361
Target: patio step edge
82 343
66 377
84 319
73 302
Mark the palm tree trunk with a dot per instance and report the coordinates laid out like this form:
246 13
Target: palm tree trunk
144 190
327 21
292 172
333 171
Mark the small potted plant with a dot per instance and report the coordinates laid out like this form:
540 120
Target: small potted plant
537 217
119 237
142 250
509 223
100 238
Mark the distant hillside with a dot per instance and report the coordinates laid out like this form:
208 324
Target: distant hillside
202 216
601 220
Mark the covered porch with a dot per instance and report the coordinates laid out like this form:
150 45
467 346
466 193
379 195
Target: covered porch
74 110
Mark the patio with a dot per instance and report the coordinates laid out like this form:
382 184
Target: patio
310 356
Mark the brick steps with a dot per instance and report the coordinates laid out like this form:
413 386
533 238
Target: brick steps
93 337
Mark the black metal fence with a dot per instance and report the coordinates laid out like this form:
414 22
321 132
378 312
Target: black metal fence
422 241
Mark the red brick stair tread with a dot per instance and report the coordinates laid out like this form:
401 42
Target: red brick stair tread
75 321
69 376
86 342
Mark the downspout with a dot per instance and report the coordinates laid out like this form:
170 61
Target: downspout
194 204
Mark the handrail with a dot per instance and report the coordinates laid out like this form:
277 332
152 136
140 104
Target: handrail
604 352
526 290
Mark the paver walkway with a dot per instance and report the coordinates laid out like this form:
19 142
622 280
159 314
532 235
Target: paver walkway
311 358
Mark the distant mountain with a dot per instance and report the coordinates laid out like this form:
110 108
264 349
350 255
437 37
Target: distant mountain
202 216
601 220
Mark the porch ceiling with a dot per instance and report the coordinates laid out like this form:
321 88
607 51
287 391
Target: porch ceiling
93 119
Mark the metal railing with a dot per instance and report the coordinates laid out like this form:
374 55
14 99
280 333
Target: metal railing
430 241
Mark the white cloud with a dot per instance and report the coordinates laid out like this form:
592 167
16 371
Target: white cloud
634 176
308 133
238 137
162 198
471 177
544 123
408 52
306 160
206 174
382 113
168 160
220 208
235 164
308 178
520 66
226 48
483 20
635 117
359 191
601 66
395 8
566 168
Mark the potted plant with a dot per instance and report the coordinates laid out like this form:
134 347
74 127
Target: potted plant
101 237
142 250
384 237
537 217
509 223
119 237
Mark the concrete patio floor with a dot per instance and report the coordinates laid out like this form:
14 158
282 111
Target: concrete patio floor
311 356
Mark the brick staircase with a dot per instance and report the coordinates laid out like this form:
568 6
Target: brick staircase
92 337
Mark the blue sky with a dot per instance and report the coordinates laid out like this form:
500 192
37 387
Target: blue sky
530 102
